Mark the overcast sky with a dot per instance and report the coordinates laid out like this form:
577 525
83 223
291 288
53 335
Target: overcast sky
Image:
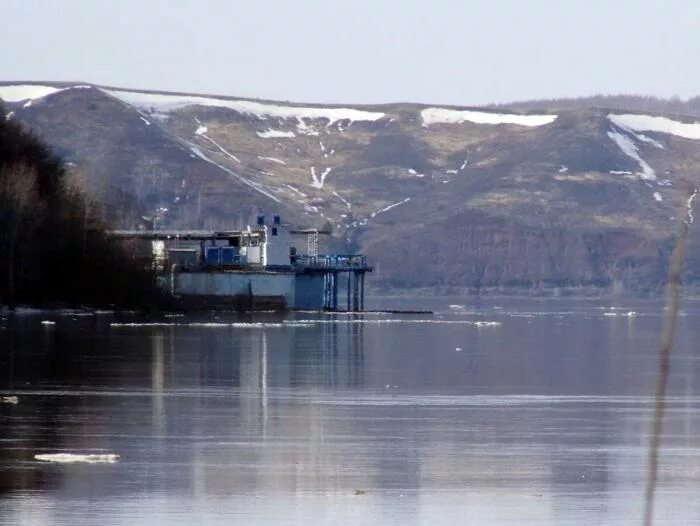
362 51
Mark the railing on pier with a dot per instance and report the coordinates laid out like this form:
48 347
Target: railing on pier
332 262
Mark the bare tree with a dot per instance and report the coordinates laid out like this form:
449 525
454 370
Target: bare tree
84 205
18 206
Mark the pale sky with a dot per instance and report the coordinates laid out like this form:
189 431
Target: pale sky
360 51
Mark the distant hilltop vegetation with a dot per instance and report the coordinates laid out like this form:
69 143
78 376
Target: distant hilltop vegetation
567 194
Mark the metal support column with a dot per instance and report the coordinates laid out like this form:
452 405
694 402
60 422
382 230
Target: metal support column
329 291
356 292
334 305
362 291
326 291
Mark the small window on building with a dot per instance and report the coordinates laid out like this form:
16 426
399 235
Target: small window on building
274 230
276 220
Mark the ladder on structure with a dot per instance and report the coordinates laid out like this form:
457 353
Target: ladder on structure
312 244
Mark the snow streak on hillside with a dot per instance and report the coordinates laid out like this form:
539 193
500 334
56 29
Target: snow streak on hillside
657 124
158 103
630 149
630 125
447 116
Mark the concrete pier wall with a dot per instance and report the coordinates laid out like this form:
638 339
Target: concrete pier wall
298 291
308 292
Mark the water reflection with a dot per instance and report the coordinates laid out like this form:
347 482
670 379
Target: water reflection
541 420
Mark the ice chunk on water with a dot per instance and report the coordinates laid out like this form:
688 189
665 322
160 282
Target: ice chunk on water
101 458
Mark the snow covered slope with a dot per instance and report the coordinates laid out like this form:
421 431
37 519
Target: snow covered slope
162 103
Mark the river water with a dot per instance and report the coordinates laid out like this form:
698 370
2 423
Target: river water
497 411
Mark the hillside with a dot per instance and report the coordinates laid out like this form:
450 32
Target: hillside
447 198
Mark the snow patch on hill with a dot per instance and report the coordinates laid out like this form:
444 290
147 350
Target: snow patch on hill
650 123
275 134
20 92
159 103
316 181
447 116
30 92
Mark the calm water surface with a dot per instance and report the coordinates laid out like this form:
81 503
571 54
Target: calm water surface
539 418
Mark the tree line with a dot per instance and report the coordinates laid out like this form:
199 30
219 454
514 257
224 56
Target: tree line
54 249
637 103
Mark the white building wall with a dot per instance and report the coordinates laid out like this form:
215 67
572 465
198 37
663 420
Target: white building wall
253 255
277 246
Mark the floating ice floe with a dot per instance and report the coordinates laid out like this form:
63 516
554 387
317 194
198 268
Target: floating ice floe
406 321
64 458
449 116
629 314
214 325
12 400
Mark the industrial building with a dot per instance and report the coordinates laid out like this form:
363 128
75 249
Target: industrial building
264 266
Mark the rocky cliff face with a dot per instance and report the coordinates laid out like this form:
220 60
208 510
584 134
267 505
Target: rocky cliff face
437 197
